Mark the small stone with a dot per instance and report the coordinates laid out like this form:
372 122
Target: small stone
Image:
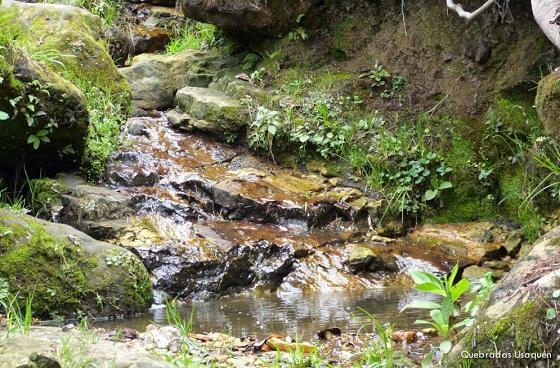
68 327
475 272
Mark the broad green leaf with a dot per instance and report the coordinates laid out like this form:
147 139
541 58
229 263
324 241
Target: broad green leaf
550 313
438 318
421 277
422 322
445 185
459 289
421 304
430 194
445 346
430 288
4 116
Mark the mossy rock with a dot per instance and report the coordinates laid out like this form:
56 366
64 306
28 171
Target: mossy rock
74 37
548 103
520 315
67 271
58 108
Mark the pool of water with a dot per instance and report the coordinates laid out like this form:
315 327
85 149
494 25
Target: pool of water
294 314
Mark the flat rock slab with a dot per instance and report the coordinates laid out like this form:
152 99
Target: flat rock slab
465 243
99 352
210 110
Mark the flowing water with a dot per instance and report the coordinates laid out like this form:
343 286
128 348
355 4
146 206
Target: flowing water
265 247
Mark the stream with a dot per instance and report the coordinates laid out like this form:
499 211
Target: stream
253 247
260 314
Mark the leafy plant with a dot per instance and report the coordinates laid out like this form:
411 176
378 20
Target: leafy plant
481 288
442 312
250 61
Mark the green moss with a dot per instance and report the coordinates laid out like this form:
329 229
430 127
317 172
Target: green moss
548 103
65 273
519 330
51 270
74 38
514 204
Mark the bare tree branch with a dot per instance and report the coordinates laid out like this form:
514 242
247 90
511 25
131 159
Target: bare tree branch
457 8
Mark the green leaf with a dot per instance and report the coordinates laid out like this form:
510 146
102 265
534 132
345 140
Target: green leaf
430 288
4 116
430 194
422 304
438 318
445 185
550 313
465 322
453 274
428 360
421 277
271 129
459 289
445 346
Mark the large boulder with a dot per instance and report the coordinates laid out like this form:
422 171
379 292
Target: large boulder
155 78
74 37
521 315
38 103
548 103
67 271
241 16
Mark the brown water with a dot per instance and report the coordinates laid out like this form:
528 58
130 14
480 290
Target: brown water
294 314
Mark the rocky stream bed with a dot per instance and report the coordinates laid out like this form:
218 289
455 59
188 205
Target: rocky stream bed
265 251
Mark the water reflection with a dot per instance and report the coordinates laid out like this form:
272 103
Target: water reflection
258 314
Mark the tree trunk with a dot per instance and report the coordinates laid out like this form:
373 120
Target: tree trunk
546 15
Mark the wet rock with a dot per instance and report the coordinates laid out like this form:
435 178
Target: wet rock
97 211
206 269
243 17
474 273
138 128
222 179
148 40
324 270
468 243
210 111
66 270
363 257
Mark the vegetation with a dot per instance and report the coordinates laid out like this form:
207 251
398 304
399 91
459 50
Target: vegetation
17 319
107 113
193 35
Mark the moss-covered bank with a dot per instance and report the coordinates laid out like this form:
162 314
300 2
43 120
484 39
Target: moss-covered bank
68 272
